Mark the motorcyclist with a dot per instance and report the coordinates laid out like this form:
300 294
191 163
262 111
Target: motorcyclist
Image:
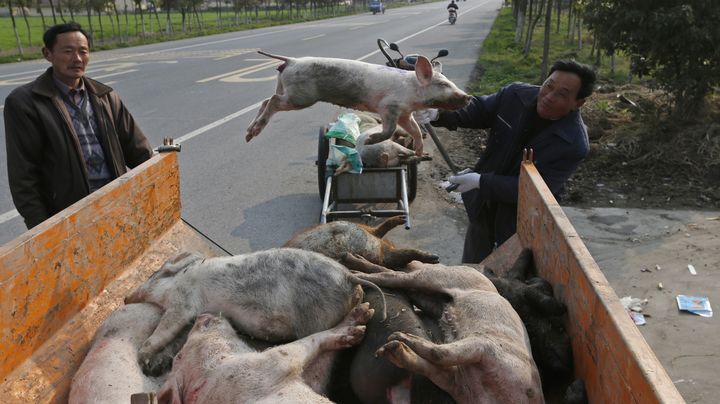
452 5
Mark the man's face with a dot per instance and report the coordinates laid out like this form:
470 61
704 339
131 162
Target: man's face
69 57
558 95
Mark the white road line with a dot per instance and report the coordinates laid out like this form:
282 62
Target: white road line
8 216
115 74
313 37
245 70
217 123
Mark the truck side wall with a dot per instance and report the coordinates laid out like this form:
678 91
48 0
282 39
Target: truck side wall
49 274
611 355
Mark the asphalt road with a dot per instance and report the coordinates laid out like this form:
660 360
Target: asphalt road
205 91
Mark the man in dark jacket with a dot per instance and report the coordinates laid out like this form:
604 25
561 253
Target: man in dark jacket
546 119
66 134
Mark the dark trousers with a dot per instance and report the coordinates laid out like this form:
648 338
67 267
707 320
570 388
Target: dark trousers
480 236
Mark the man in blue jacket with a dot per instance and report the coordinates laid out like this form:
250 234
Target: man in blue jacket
546 119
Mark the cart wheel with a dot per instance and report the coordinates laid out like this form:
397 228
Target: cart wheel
323 152
412 181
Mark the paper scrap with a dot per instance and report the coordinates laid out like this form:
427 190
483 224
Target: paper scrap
637 318
699 305
692 270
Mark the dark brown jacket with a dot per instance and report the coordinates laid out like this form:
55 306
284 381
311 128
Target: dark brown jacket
46 169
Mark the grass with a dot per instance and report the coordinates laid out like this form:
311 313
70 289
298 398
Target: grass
502 61
130 31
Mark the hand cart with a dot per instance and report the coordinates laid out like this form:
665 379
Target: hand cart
356 195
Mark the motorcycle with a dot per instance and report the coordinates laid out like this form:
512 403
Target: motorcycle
407 62
452 16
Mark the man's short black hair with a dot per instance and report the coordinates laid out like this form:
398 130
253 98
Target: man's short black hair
50 36
587 75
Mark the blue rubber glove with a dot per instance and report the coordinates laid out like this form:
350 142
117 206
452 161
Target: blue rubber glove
465 181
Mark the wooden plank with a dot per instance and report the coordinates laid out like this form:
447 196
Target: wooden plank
48 274
610 353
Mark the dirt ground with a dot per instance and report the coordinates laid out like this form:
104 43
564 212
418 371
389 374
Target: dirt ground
646 202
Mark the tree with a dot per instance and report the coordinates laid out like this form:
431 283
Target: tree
675 42
17 37
546 41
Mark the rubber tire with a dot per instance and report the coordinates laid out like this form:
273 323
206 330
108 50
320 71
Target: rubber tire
323 152
412 176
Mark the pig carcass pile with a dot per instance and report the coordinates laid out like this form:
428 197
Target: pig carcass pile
302 324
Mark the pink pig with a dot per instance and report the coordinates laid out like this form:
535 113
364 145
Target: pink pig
392 93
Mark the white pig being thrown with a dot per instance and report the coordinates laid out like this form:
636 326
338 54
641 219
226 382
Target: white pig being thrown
392 93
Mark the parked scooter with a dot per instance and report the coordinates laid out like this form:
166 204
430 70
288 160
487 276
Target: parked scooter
452 16
407 62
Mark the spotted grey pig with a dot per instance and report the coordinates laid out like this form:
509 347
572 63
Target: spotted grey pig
275 295
392 93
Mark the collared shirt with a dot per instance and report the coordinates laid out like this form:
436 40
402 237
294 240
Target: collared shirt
83 119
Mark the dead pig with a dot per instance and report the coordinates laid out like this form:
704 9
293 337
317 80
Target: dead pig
486 357
110 372
377 380
274 295
392 93
216 366
337 238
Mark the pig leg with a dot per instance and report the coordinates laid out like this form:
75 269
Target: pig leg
389 116
173 321
276 103
408 123
403 356
348 333
398 258
359 263
464 351
387 225
317 373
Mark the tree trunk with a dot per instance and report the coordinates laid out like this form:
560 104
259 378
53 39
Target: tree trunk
531 29
142 19
52 8
519 25
90 27
102 33
559 11
157 17
578 20
546 41
27 25
168 20
42 15
127 22
17 37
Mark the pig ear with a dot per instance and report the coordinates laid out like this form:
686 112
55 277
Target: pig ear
423 70
177 263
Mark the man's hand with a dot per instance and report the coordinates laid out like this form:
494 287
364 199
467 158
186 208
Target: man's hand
466 181
424 116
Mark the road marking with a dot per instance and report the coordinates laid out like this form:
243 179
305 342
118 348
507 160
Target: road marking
313 37
243 71
115 74
217 123
8 216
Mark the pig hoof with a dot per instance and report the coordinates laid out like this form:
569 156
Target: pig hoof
353 336
361 314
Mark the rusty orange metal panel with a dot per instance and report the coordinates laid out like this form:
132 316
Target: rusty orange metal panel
610 353
46 376
48 274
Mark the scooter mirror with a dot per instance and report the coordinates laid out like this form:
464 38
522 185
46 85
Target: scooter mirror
394 47
443 52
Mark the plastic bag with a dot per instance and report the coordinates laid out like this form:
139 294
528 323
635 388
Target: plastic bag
341 154
347 128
